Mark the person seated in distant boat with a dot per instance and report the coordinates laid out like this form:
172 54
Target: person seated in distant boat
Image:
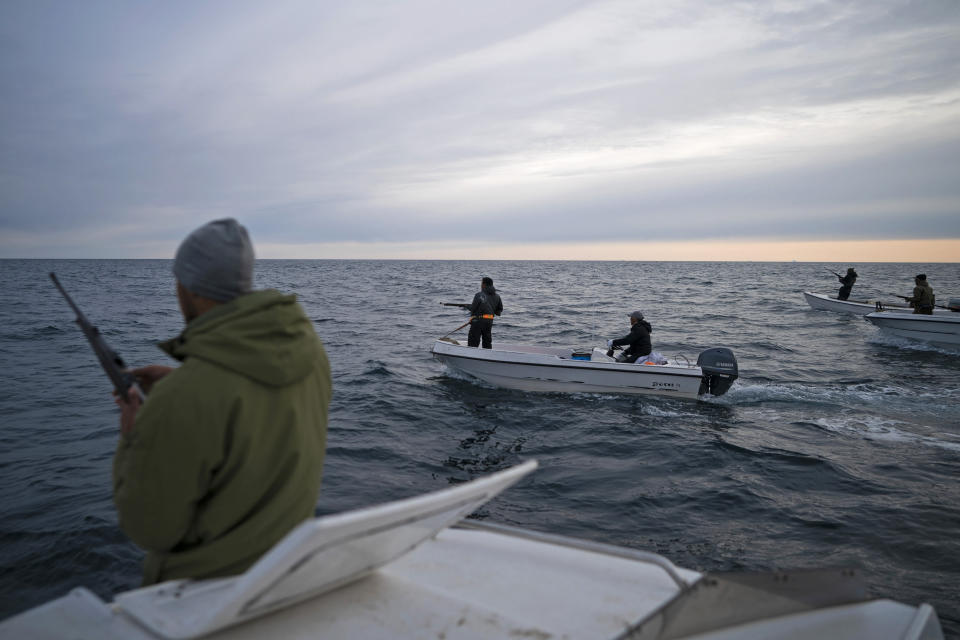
922 299
486 304
224 457
847 282
637 341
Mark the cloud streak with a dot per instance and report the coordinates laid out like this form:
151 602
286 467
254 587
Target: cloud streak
440 122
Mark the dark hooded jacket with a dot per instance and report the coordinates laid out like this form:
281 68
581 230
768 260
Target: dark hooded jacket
486 302
638 339
923 297
225 455
849 279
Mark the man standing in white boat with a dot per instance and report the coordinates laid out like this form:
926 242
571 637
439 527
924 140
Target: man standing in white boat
485 306
224 457
637 341
846 283
922 299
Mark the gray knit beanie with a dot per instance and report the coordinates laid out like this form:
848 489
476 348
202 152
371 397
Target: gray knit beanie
216 261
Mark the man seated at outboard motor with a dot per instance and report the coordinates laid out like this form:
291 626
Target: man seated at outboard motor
638 340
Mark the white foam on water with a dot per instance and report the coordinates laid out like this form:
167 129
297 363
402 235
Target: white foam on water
890 340
648 406
885 430
838 393
658 412
745 393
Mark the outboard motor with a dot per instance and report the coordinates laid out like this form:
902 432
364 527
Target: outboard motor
719 370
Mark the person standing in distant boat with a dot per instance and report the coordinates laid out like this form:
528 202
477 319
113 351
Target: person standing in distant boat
637 341
224 456
922 299
847 282
486 304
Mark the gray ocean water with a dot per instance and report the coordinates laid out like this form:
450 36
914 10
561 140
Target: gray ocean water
838 445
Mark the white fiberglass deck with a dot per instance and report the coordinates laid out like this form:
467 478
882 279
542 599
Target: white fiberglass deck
483 581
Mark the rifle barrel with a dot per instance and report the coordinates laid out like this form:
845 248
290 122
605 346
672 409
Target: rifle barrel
112 364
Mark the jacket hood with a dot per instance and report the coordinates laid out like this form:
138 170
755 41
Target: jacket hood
264 336
646 325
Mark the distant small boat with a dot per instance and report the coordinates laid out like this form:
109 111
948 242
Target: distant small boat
941 329
559 369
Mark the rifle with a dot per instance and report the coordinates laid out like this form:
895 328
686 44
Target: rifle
939 306
112 363
462 305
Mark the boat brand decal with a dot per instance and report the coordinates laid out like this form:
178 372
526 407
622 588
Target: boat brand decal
664 385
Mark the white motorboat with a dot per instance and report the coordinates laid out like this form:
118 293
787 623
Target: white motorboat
941 329
859 307
536 368
398 571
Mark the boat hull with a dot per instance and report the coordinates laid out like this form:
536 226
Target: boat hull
511 367
821 302
939 330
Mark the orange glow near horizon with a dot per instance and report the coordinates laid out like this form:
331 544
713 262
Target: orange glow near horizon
940 250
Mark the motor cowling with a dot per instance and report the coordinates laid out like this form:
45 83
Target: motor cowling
719 370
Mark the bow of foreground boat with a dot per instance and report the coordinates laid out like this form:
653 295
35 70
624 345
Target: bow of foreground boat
399 571
942 330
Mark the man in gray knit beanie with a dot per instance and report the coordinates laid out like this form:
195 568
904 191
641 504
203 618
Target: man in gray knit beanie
224 456
216 261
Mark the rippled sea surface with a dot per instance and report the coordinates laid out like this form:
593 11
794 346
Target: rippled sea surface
838 445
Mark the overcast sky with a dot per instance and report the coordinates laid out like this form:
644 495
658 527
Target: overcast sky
551 128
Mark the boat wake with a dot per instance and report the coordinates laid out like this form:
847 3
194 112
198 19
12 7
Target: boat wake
888 340
884 413
845 395
885 430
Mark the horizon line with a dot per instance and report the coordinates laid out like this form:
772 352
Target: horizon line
528 260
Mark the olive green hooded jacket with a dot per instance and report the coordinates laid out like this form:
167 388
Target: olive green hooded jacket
226 454
923 295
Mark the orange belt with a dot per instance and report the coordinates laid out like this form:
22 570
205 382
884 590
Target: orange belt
486 316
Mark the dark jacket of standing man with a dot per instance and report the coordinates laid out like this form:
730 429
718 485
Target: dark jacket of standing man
225 456
486 304
847 281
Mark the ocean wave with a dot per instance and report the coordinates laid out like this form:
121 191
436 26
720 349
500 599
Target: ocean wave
834 393
886 430
885 339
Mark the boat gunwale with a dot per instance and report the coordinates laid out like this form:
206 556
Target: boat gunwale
692 371
887 306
